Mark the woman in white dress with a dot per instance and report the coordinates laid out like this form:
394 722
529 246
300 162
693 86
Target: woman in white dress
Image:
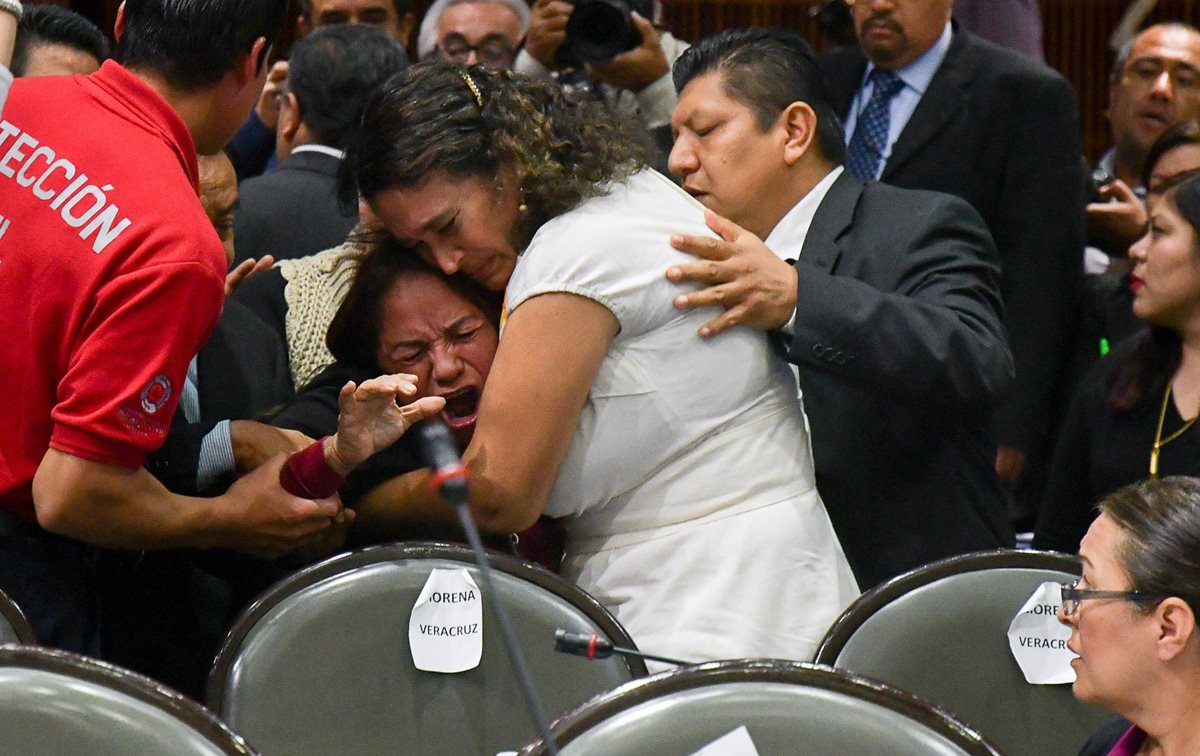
680 468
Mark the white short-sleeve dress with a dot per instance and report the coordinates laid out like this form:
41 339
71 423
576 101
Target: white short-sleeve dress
687 493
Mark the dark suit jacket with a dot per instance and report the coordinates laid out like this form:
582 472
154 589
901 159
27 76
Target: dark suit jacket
291 212
902 361
242 371
1002 132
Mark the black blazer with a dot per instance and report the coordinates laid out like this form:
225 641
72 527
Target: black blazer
291 212
1002 132
242 371
902 361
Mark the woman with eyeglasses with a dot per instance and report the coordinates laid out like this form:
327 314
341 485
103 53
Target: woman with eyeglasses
1133 619
1135 413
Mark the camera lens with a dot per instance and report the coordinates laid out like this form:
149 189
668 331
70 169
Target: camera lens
599 30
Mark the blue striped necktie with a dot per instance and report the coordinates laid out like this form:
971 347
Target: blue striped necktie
871 131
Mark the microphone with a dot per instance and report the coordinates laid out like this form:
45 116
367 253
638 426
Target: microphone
594 647
439 452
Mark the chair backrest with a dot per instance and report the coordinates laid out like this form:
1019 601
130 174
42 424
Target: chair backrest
786 707
53 702
321 663
941 632
14 628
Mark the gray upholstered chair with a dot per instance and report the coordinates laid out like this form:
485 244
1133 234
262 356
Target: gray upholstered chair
941 632
14 628
787 708
321 663
53 703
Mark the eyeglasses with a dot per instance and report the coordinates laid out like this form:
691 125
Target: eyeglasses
1072 594
492 51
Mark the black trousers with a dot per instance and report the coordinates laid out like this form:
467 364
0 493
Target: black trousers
52 580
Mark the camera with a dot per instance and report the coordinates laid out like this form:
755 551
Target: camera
600 30
1096 180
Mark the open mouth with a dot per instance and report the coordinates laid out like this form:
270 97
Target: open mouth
461 408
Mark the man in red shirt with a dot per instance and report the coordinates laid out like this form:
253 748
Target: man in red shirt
111 279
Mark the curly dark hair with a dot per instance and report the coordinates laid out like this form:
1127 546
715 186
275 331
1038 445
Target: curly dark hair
1185 133
428 120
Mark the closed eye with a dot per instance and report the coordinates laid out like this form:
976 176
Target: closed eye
449 226
408 354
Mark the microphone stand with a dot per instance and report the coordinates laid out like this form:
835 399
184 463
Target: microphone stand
450 480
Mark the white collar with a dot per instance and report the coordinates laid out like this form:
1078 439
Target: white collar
787 238
321 148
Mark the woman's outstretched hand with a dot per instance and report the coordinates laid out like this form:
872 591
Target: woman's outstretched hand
369 419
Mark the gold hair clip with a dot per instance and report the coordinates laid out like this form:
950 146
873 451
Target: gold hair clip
466 77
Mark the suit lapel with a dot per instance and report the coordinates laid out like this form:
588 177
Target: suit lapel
830 222
945 96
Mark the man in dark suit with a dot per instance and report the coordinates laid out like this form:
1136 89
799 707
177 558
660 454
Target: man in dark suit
891 314
294 211
1001 131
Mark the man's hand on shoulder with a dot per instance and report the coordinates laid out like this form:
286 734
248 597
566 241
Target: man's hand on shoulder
638 68
740 273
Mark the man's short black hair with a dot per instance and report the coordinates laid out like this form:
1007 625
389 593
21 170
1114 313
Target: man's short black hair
334 71
766 70
193 44
402 8
55 25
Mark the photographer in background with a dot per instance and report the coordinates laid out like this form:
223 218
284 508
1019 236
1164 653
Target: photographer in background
637 80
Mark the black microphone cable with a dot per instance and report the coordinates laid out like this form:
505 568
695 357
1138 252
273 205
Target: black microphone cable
440 453
594 647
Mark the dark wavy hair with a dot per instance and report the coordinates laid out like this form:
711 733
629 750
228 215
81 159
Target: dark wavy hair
1159 546
193 44
766 69
353 335
1144 368
1187 132
334 71
55 25
426 120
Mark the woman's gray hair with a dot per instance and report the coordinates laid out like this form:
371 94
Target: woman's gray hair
427 37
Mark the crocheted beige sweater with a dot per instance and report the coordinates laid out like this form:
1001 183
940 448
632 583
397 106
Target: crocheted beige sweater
315 288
